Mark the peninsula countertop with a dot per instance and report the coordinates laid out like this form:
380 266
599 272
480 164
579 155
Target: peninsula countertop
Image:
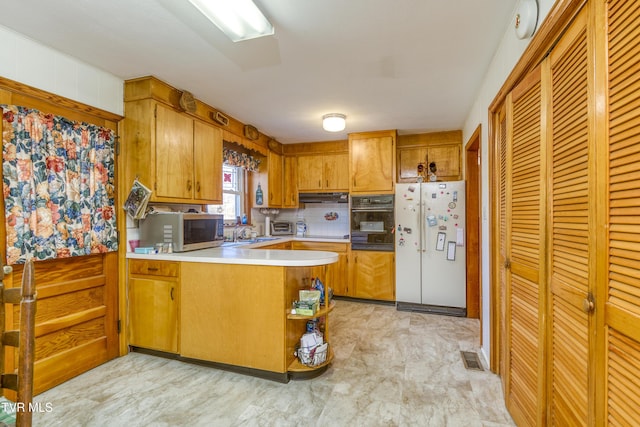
255 256
249 253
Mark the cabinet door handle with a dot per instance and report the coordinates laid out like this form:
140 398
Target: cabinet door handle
171 294
320 183
327 183
198 186
188 185
152 269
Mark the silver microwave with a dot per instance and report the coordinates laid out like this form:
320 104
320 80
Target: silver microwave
186 231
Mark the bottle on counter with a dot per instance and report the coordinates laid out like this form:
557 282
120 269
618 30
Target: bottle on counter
244 218
259 198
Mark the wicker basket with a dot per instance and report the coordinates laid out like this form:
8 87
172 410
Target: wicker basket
313 356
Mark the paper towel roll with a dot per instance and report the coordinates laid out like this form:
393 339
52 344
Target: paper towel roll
267 226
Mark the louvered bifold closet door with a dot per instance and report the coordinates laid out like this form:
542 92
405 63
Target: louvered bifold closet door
623 296
525 201
502 156
570 231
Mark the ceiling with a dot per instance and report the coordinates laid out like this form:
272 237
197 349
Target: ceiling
411 65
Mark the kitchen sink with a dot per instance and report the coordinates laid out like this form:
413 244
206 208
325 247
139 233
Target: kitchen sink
248 241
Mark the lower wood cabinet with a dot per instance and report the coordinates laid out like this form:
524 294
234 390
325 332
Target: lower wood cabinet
373 275
154 304
337 274
280 245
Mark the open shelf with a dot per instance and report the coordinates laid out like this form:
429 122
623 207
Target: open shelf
296 366
322 312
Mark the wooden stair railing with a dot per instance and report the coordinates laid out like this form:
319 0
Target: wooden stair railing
21 380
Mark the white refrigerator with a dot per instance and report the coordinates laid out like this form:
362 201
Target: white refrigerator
430 247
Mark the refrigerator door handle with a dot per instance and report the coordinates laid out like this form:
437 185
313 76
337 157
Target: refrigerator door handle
423 226
419 214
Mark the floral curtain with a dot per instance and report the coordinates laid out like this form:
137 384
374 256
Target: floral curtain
234 158
58 184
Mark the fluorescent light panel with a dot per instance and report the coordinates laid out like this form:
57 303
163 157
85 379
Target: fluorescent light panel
238 19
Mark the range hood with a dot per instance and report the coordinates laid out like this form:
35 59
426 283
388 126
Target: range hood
323 197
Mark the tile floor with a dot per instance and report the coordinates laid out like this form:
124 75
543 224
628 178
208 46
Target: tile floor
391 368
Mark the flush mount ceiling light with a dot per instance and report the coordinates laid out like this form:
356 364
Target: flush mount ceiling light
238 19
334 122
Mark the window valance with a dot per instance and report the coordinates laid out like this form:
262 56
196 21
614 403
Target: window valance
244 160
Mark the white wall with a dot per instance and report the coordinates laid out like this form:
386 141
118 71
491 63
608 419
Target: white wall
24 60
507 55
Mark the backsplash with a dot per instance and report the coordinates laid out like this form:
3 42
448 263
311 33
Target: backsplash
322 219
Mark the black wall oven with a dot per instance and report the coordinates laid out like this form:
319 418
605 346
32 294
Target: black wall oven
372 223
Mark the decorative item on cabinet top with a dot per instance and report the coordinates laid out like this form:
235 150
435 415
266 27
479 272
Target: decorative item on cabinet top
217 116
274 146
250 132
187 102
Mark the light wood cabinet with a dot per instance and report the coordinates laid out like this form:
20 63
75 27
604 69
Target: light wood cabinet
290 182
280 245
270 179
442 148
178 157
372 160
373 275
173 153
207 158
337 274
275 179
446 158
323 172
336 167
154 305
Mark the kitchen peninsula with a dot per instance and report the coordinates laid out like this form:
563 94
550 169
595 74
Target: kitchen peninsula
228 307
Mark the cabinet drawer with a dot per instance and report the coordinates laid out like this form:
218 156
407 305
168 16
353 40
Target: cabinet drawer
320 246
155 268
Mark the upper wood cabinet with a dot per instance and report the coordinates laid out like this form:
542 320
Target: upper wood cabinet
442 148
178 157
174 154
323 172
275 179
290 182
372 160
270 179
207 157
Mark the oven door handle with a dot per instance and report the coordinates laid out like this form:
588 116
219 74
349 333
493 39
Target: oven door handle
371 209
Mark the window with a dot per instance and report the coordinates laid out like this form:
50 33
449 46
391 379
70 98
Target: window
232 207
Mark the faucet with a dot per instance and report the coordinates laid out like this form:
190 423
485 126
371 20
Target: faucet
239 233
